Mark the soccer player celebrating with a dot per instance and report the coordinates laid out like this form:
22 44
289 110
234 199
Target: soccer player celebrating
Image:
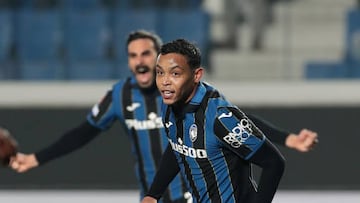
211 142
136 103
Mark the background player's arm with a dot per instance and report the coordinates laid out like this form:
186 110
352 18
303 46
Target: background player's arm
167 171
69 142
302 142
100 118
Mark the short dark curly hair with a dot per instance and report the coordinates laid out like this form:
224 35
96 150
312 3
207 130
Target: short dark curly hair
143 34
185 48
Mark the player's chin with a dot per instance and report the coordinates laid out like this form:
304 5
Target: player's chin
168 101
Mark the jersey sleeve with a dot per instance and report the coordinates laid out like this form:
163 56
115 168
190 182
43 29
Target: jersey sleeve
237 132
272 132
102 114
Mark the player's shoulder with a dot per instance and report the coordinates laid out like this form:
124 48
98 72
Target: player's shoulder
229 112
122 82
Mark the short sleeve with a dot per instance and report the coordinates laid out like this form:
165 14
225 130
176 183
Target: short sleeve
237 132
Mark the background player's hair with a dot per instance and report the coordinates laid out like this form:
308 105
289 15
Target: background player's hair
184 47
143 34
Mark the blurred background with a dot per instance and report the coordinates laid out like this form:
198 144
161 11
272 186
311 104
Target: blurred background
295 63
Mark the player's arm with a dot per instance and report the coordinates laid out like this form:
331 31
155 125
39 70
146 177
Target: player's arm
273 164
274 133
167 171
100 118
239 134
67 143
304 141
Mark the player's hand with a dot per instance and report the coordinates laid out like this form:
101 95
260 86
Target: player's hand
148 199
23 162
302 142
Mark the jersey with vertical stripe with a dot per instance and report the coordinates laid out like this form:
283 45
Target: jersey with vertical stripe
212 141
139 111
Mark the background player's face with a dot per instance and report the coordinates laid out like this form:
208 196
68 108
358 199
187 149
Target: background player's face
176 81
142 60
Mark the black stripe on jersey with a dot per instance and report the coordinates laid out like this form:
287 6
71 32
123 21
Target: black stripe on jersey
200 143
155 138
240 176
126 101
165 120
156 147
179 134
103 106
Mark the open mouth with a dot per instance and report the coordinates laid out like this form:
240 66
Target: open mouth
142 69
167 94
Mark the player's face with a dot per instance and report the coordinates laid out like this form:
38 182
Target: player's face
142 59
176 81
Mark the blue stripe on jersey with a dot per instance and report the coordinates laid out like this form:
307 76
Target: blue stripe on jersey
140 114
148 140
118 100
209 163
177 186
219 165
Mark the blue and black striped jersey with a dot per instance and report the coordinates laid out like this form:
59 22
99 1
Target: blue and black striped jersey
213 141
139 111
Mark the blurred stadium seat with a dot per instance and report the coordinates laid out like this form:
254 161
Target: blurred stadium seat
5 33
124 22
190 24
327 70
86 35
80 4
41 70
91 70
37 42
353 42
58 39
5 41
353 35
349 67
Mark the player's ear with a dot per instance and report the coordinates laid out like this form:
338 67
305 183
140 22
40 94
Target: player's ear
198 73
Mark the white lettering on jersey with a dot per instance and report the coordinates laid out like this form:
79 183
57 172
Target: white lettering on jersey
153 122
188 151
239 134
133 106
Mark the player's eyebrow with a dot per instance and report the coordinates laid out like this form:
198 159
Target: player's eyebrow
173 67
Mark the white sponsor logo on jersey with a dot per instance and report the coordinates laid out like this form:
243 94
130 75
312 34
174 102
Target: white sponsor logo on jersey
188 151
154 121
239 134
133 106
